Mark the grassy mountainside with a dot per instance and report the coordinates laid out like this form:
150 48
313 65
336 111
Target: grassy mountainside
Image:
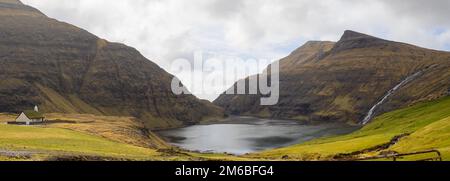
327 81
424 126
65 69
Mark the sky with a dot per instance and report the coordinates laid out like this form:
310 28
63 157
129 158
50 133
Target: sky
167 30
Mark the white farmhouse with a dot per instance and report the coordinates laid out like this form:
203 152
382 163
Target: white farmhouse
30 116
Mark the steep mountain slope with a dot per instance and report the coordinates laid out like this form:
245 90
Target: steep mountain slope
68 70
326 81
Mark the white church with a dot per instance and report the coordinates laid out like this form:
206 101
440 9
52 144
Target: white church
30 117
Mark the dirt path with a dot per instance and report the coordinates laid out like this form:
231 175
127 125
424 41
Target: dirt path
18 154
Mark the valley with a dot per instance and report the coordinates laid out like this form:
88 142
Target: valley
424 126
358 97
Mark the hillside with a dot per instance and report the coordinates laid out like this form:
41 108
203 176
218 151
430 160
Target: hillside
422 127
83 137
127 130
25 143
341 81
65 69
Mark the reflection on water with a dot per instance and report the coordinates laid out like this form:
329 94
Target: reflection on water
242 135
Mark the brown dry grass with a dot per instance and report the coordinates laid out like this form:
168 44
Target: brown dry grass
127 130
5 117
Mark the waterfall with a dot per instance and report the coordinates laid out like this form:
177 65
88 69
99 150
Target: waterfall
388 94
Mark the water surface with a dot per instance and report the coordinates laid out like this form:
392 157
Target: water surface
240 135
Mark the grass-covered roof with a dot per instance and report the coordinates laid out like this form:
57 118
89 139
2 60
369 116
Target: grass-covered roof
33 114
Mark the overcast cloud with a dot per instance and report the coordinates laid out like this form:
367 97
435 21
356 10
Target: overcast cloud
164 30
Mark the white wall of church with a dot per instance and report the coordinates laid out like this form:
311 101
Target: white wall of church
23 118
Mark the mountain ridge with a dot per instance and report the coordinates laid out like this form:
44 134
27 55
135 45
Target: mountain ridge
65 69
11 2
342 81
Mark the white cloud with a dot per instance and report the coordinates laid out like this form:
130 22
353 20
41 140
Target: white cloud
164 30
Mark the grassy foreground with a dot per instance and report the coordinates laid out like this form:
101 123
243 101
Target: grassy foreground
47 140
425 126
88 137
40 143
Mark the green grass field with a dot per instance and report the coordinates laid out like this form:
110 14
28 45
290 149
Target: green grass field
43 143
427 123
52 140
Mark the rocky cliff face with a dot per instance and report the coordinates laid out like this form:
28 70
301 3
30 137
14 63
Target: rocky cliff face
66 69
326 81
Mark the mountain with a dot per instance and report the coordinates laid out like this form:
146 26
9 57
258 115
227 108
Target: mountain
65 69
342 81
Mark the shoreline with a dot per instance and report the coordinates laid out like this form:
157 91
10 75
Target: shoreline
271 134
